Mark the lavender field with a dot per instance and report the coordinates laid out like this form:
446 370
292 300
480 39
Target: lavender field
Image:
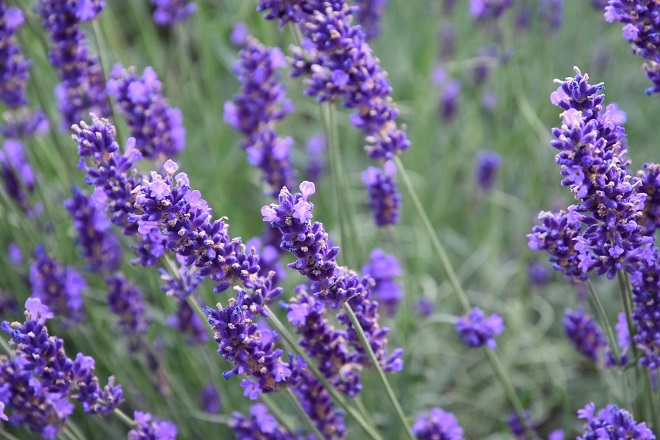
297 219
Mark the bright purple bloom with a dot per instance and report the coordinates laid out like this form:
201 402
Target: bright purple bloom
157 128
612 423
584 333
642 28
437 424
488 165
147 428
57 286
384 197
14 253
99 246
209 399
260 103
384 268
239 34
17 173
170 12
369 14
317 403
82 88
488 9
476 330
260 424
13 65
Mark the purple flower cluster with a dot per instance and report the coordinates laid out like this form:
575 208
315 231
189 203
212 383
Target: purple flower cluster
649 180
39 378
552 12
449 99
23 124
369 14
83 86
384 198
147 428
260 424
646 299
612 422
475 330
186 320
98 245
157 127
488 9
17 173
59 287
170 12
437 424
384 268
125 301
516 425
330 282
316 402
488 165
209 399
323 342
255 110
584 333
642 26
13 65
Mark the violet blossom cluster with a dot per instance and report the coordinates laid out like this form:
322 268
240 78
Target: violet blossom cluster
488 165
330 282
384 269
127 303
642 26
437 424
13 64
477 330
260 424
318 405
82 87
649 180
157 127
59 287
592 157
254 111
170 12
181 285
584 333
39 379
147 427
384 197
646 301
612 422
369 14
17 174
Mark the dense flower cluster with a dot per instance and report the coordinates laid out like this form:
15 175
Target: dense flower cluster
169 12
585 333
39 379
209 399
83 86
260 424
384 268
646 299
13 65
23 124
316 402
612 422
649 181
475 330
157 127
59 287
642 25
147 428
17 173
488 165
437 424
369 14
384 197
256 109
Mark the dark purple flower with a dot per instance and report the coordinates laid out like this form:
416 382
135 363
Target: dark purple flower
186 320
157 128
516 425
317 403
316 146
57 286
437 424
449 98
384 197
369 14
384 269
612 423
642 28
125 301
13 65
260 424
17 173
87 391
8 305
425 307
170 12
488 165
82 88
98 245
584 333
209 399
538 273
552 12
649 180
260 103
146 428
476 330
646 298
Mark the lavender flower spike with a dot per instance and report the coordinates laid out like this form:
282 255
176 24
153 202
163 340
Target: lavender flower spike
170 12
384 268
437 424
488 164
13 65
612 422
260 424
476 330
384 197
369 14
585 334
148 428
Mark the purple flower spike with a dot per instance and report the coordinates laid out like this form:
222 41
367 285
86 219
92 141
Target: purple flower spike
209 399
384 197
259 105
259 424
437 424
318 404
157 127
584 333
612 422
126 301
516 425
170 12
147 428
476 330
369 14
646 299
384 268
649 180
488 165
13 65
17 174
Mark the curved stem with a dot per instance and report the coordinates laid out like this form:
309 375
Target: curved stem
121 415
380 373
603 318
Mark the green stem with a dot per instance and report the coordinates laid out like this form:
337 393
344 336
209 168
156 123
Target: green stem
626 296
603 318
121 415
309 423
7 435
275 409
380 373
311 365
96 30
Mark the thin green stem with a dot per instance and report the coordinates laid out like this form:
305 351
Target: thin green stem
309 423
604 320
275 409
380 373
435 242
626 296
121 415
7 435
96 31
311 365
